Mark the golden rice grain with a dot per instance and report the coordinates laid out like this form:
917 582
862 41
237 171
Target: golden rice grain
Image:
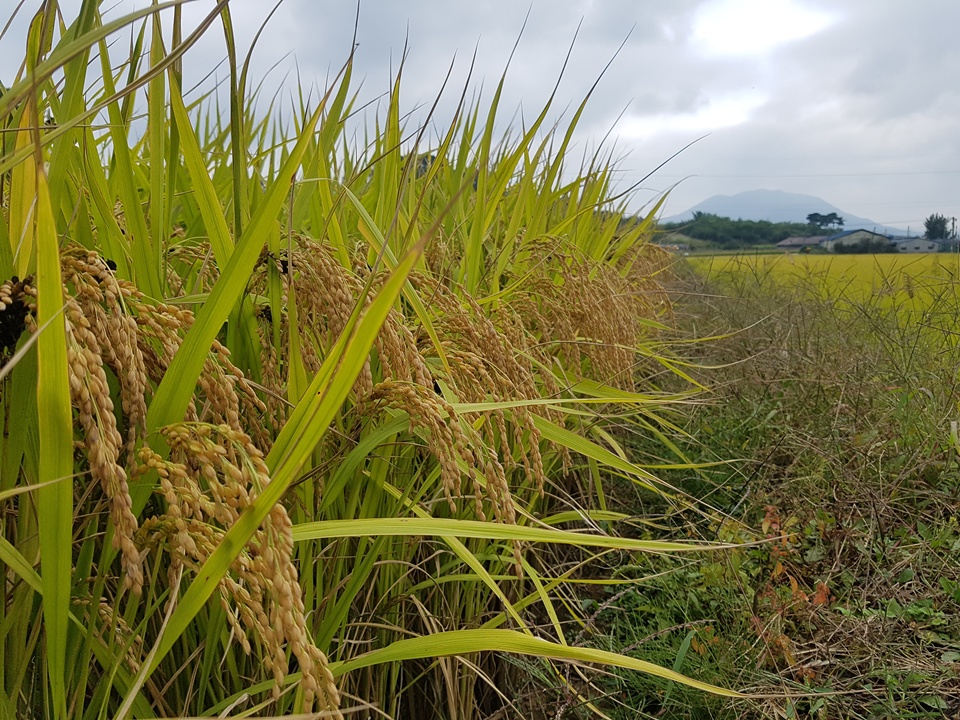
90 394
213 474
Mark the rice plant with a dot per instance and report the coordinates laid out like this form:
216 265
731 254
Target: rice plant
288 420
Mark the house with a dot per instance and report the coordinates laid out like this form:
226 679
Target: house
864 238
916 245
801 242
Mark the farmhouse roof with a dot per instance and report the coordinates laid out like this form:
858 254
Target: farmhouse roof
845 233
801 241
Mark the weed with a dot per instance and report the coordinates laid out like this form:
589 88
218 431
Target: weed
837 401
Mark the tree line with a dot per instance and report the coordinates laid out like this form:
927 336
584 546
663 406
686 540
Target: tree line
730 234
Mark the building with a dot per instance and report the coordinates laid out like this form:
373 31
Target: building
916 245
854 237
796 243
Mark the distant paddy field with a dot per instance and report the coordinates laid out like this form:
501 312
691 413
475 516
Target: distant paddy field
915 280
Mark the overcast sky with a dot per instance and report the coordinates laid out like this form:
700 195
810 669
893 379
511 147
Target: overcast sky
856 101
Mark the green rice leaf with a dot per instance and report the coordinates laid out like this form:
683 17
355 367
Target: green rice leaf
581 445
176 388
464 642
431 526
205 194
65 52
463 552
13 559
157 129
55 499
22 204
140 243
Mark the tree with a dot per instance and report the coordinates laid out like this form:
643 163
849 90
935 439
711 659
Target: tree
937 227
833 219
825 221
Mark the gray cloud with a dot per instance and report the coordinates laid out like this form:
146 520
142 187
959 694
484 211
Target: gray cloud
863 112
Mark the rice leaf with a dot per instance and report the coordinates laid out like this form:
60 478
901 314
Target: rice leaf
55 499
157 129
582 446
65 52
140 243
15 560
23 203
204 192
176 388
431 526
463 642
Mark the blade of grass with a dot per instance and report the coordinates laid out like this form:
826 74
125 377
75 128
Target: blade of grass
431 526
237 137
205 193
678 663
469 559
172 397
55 500
15 561
65 52
157 128
463 642
139 241
23 201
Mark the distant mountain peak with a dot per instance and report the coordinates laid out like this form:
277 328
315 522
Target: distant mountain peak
776 206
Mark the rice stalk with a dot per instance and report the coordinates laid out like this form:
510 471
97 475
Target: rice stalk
250 353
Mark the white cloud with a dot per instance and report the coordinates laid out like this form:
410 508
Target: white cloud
753 27
722 112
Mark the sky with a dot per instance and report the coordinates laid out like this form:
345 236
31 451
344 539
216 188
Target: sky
854 101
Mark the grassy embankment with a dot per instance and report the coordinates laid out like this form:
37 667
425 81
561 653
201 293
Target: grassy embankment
291 422
836 381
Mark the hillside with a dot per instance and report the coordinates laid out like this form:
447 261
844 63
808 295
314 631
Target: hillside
778 207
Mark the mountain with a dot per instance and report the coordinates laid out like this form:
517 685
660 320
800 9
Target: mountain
777 206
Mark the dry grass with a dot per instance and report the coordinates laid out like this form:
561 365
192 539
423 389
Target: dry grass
839 406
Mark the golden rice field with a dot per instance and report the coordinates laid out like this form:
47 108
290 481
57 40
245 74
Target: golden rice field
913 280
835 378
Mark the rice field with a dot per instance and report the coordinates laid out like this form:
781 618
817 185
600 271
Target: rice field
836 381
914 280
298 423
293 419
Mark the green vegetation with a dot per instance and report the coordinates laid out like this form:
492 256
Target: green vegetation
835 387
727 234
937 227
909 283
823 222
865 247
294 425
